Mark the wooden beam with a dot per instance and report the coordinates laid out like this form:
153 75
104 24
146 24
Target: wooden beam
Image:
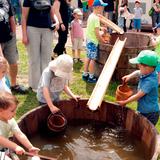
110 24
103 81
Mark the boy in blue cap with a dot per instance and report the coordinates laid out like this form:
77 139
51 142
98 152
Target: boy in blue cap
93 37
147 94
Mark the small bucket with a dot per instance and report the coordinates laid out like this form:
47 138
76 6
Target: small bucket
56 122
123 92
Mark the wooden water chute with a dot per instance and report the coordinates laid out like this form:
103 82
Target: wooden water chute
105 76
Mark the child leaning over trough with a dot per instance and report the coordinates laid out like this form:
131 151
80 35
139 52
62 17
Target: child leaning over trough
93 37
147 94
77 36
8 125
54 80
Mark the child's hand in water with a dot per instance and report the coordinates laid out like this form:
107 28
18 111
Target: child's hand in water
121 103
34 150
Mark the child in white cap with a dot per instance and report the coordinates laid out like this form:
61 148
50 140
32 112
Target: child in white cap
54 80
77 36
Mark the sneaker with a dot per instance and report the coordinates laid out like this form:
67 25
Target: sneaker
80 60
92 80
19 89
85 77
75 60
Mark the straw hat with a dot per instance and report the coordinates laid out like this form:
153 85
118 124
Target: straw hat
62 66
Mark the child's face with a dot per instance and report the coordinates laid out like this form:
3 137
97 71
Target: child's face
99 9
158 31
137 5
144 69
76 16
9 113
3 72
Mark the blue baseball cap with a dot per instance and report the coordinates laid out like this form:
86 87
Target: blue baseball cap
99 3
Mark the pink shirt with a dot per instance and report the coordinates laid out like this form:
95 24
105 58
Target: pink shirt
76 29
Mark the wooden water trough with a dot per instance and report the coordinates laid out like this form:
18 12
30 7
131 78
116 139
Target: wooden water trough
35 121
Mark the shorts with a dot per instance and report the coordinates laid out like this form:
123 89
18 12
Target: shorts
77 43
92 50
10 51
137 23
152 117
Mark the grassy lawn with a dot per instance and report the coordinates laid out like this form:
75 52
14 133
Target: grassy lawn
79 87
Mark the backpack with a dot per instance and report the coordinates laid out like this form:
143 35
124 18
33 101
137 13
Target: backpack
150 13
41 4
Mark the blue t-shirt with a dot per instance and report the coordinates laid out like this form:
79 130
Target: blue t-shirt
149 85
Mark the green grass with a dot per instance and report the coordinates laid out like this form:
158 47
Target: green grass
79 87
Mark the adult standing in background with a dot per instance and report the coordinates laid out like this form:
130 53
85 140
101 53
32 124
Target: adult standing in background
17 9
156 13
110 10
37 35
8 43
61 8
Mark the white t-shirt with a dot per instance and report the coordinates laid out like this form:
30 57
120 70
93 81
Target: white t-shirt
8 129
55 85
3 85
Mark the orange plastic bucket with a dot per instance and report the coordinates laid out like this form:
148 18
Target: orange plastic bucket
123 92
56 122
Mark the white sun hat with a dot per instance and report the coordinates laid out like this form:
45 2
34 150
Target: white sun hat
62 66
77 11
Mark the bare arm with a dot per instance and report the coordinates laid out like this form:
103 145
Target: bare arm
130 76
48 99
7 143
12 24
99 37
25 12
56 7
70 93
21 137
135 97
1 52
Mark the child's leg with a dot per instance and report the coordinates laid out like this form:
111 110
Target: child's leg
73 53
159 78
85 74
86 65
138 25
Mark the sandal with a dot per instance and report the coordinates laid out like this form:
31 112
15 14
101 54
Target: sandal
19 89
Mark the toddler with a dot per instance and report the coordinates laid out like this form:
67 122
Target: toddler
137 16
8 125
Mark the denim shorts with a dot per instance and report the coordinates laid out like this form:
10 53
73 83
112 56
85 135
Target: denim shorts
152 117
92 51
137 23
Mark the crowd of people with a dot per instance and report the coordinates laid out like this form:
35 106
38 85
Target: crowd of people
50 77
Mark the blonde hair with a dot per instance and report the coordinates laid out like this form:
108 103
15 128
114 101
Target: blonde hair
4 64
7 99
